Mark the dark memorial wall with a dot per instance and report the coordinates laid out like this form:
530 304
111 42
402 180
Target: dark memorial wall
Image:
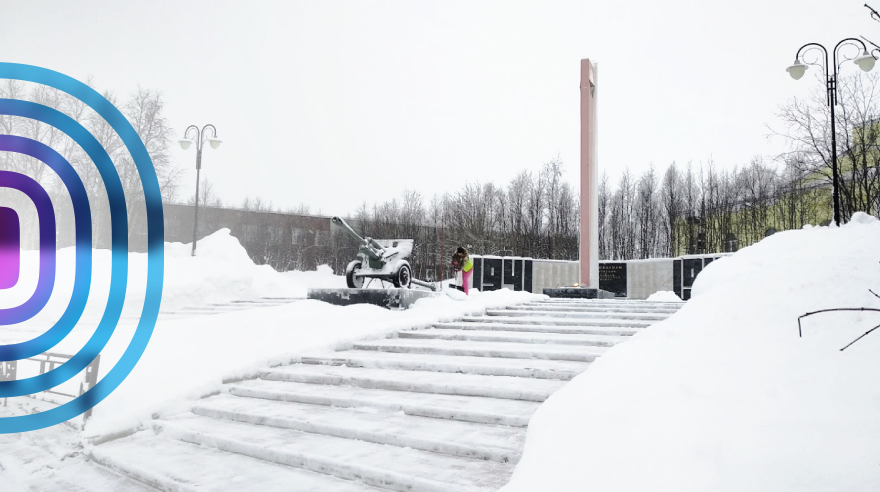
676 277
685 272
612 277
495 273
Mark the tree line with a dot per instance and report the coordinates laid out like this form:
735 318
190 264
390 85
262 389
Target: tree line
691 209
144 110
686 210
536 214
703 209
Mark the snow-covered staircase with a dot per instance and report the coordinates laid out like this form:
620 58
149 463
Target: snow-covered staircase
437 409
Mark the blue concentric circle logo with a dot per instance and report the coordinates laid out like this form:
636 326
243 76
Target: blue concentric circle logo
83 229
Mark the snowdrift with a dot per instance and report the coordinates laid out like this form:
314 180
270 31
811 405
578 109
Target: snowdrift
220 271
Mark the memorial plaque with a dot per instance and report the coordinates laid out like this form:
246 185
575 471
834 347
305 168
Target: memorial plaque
692 268
612 278
477 277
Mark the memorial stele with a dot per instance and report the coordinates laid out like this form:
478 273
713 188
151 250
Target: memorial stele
589 226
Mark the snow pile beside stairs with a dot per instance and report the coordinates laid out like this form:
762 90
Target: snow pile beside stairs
724 395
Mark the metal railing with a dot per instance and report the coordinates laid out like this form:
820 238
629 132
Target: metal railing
48 361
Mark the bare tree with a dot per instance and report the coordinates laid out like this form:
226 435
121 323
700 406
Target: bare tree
207 196
806 127
672 207
646 214
604 199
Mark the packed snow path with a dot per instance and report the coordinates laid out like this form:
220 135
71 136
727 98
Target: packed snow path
131 316
430 410
215 307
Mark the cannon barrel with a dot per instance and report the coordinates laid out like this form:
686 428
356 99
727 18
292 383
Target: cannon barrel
368 245
341 223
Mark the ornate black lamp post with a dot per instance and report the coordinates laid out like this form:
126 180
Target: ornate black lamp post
200 138
865 61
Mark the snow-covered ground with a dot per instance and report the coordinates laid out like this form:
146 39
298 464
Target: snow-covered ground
724 395
190 356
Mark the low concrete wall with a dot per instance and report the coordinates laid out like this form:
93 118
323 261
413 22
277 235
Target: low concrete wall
551 274
645 277
387 298
632 279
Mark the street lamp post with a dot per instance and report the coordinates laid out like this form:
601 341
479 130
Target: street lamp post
200 138
865 61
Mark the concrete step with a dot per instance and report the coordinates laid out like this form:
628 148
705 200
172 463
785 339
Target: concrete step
463 408
246 304
505 387
593 309
390 467
478 441
577 315
607 302
174 466
513 336
484 349
547 321
85 477
215 308
52 460
528 368
474 325
267 301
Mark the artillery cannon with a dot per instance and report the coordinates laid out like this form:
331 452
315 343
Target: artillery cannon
383 259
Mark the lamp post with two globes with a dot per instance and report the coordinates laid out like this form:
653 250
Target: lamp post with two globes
200 138
865 61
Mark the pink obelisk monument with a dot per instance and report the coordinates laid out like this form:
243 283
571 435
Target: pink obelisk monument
589 244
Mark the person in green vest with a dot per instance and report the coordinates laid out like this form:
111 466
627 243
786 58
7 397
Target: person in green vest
461 261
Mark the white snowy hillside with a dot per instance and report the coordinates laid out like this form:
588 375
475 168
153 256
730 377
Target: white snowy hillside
724 395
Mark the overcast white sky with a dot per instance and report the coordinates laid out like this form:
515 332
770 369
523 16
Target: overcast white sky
333 103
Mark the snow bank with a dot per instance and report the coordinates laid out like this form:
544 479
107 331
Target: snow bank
724 395
220 271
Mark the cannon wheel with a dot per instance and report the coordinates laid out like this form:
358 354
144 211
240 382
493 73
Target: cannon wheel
352 281
403 277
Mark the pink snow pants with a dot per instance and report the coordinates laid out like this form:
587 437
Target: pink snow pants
465 279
